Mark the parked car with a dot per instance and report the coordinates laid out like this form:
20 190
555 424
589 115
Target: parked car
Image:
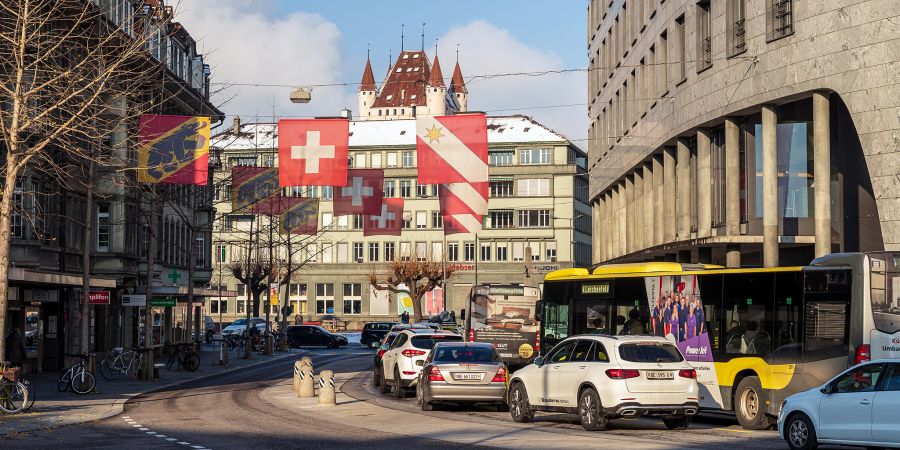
313 336
210 327
239 326
469 372
378 376
602 377
403 361
857 407
374 332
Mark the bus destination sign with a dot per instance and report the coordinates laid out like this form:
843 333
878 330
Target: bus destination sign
595 288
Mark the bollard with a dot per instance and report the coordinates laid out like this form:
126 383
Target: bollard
223 353
298 365
307 383
91 363
326 388
308 360
270 340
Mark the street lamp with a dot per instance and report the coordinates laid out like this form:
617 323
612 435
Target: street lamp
301 95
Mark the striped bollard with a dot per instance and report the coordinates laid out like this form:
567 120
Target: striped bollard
326 388
307 387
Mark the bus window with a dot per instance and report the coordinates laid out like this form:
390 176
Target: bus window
592 316
711 296
788 317
632 313
555 323
825 318
748 313
885 289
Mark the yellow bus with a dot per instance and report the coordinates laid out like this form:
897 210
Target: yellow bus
755 335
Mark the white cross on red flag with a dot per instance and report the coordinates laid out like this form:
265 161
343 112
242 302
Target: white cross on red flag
313 152
362 194
388 221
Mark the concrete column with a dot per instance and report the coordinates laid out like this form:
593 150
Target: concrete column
622 221
732 256
669 199
704 184
648 205
822 171
732 178
770 185
614 223
629 214
638 210
658 210
597 231
683 187
607 225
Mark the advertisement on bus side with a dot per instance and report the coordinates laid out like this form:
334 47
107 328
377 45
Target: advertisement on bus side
504 316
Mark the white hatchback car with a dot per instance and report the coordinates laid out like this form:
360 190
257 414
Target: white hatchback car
857 407
404 359
602 377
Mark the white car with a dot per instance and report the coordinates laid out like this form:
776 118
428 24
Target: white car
238 326
404 359
601 377
858 407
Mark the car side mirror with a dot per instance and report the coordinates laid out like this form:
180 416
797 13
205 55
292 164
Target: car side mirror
539 361
539 311
828 389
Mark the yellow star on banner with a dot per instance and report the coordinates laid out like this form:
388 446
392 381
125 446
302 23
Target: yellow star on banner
434 134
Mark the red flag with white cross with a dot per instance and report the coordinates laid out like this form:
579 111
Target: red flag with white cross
313 152
388 221
452 149
362 194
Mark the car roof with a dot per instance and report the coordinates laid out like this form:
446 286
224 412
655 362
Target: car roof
465 344
427 331
620 339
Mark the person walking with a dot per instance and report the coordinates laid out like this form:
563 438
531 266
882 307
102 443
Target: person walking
15 348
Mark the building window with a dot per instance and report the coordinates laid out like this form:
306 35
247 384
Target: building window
437 251
501 187
298 290
407 220
534 218
405 188
422 190
405 251
392 159
504 158
437 220
327 192
795 170
103 227
533 187
532 156
535 250
241 306
352 298
421 219
502 254
518 250
469 251
221 252
218 306
779 19
421 251
680 51
343 222
662 59
704 36
324 298
245 161
359 160
389 251
407 159
357 221
376 160
500 218
453 251
735 34
550 249
373 252
389 188
357 252
342 254
200 251
485 252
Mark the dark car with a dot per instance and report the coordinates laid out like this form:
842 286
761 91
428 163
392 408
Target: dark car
374 332
385 343
313 336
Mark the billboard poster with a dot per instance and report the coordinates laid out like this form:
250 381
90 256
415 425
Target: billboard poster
504 316
676 313
432 302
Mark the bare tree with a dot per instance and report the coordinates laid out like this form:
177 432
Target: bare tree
419 278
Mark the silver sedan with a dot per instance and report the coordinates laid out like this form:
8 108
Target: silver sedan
462 372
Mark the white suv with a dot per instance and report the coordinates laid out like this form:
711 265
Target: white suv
403 361
602 377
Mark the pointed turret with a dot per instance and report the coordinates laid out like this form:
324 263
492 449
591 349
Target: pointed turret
436 91
437 78
367 90
368 79
458 89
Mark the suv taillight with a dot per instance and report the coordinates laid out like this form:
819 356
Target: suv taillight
687 373
434 374
500 377
380 353
622 374
863 354
409 353
471 335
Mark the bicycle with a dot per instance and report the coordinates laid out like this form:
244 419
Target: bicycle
121 362
13 393
77 378
186 357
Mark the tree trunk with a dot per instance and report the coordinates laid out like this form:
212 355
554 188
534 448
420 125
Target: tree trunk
256 297
148 308
88 241
189 317
6 203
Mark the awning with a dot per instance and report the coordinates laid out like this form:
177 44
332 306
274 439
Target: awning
183 291
55 278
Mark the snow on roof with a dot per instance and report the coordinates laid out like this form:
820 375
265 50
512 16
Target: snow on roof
365 133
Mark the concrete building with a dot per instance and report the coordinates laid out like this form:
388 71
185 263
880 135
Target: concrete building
743 132
538 201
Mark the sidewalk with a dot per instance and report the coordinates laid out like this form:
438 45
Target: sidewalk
54 409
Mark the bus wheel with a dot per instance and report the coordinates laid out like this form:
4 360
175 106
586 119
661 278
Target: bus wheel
749 406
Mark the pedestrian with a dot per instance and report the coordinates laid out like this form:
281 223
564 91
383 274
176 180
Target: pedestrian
452 316
15 348
404 317
298 319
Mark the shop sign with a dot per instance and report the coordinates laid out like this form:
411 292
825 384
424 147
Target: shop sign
461 267
134 300
546 267
163 302
98 298
507 290
41 296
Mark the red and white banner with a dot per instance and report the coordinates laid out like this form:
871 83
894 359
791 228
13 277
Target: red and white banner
388 221
313 152
362 194
452 149
463 206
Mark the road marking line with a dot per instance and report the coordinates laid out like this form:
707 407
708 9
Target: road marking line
151 432
126 417
171 439
143 429
160 435
136 425
184 443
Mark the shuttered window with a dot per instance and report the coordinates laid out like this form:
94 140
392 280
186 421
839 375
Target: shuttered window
735 32
681 66
704 38
779 19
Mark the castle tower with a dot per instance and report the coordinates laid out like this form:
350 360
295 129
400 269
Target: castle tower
366 94
458 90
436 91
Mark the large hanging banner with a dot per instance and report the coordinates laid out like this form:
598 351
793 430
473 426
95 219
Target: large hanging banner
299 216
362 194
173 149
313 152
253 189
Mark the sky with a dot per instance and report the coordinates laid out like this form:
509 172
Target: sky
320 42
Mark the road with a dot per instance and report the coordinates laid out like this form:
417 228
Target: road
231 411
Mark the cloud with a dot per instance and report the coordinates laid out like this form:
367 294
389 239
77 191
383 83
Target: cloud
487 49
243 44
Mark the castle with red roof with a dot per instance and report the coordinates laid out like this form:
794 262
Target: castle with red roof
412 87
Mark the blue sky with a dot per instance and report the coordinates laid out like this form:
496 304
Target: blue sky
294 42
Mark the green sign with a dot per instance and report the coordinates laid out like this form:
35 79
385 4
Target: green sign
174 276
749 301
789 300
594 289
163 301
507 290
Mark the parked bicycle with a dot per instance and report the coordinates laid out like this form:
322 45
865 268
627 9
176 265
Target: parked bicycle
121 363
13 393
186 357
77 378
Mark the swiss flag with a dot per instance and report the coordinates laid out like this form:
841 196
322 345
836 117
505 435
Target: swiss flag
362 194
452 149
313 152
388 221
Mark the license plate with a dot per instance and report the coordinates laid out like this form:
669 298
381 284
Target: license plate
467 376
420 362
657 375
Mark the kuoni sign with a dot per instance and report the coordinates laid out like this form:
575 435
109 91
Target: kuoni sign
98 298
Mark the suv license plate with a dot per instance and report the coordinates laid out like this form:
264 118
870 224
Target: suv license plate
467 376
657 375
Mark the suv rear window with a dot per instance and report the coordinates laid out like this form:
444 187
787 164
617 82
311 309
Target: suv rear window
465 354
650 352
378 326
427 342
